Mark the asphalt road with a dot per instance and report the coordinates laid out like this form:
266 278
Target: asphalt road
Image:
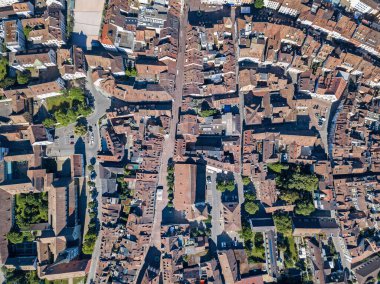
170 140
216 208
101 104
63 147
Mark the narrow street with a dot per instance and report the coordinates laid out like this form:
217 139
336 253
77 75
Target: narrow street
101 103
170 140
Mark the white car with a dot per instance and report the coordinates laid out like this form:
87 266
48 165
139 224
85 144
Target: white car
159 193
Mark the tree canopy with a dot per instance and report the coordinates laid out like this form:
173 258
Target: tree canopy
131 72
80 129
31 208
246 181
251 207
3 68
208 112
283 223
13 276
225 185
259 4
23 77
305 208
66 108
277 167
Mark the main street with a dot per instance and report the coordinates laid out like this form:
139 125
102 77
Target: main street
170 140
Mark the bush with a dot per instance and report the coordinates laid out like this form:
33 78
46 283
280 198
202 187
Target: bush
251 207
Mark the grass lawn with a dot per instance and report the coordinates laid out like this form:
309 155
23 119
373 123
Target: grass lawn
68 99
62 281
53 103
257 253
292 248
79 280
291 253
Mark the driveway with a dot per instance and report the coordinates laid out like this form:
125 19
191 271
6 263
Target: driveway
87 21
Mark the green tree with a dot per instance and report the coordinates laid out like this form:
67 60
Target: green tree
90 167
31 208
27 30
259 4
80 129
246 234
7 82
305 182
23 77
3 68
251 207
15 237
224 185
277 167
249 196
92 215
283 223
208 112
246 181
305 208
289 196
92 205
49 122
131 72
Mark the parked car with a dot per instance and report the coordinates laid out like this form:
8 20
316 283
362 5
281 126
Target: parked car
208 179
